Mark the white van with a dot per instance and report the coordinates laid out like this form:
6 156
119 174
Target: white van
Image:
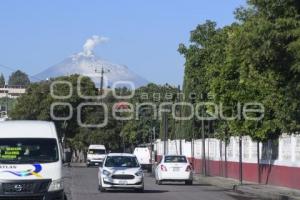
95 155
143 154
30 161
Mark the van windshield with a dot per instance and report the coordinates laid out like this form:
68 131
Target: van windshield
33 150
97 151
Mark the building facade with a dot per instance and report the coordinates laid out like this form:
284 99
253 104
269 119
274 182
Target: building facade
12 92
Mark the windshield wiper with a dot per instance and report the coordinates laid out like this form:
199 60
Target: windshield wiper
8 161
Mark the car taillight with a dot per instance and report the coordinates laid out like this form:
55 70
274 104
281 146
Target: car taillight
163 168
189 168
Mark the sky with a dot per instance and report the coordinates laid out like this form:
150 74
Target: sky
143 35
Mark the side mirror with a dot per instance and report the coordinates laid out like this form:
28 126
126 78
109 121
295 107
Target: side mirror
67 157
101 164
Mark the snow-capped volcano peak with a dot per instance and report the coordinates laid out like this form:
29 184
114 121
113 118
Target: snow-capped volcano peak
88 64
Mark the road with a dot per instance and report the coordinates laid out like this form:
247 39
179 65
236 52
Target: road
81 184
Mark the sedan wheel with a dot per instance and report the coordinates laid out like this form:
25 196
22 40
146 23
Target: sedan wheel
101 189
158 182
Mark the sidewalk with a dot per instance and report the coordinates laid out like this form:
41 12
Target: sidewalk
261 191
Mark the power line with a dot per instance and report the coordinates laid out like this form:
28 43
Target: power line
13 70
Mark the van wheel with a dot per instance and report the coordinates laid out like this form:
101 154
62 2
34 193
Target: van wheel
140 190
189 182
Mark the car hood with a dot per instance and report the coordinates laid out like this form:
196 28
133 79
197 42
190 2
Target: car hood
31 171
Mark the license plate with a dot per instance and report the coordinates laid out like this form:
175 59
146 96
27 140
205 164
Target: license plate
123 182
176 169
96 163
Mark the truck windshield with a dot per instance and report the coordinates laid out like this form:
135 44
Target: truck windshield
97 151
33 150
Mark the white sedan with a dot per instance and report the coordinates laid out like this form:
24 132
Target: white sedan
174 168
121 171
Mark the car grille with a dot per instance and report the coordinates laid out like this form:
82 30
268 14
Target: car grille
22 198
16 188
122 176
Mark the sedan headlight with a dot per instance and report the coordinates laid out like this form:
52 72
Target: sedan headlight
139 173
106 173
56 185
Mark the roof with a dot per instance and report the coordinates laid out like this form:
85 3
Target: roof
174 155
27 129
96 146
121 154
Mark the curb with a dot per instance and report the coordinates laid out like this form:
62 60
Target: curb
249 188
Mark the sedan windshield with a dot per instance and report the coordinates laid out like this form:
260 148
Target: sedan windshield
175 159
121 161
33 150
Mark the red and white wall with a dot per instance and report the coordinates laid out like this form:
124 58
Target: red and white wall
284 170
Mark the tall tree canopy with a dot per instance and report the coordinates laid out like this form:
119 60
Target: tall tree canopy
2 80
255 59
18 78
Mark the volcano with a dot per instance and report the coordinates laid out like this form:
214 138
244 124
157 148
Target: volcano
90 65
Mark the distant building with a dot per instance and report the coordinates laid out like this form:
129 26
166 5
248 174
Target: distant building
12 92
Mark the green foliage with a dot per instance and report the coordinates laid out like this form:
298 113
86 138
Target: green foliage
2 80
18 78
36 103
7 102
254 60
140 129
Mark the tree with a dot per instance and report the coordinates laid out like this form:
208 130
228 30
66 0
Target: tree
139 131
2 80
18 78
254 60
36 105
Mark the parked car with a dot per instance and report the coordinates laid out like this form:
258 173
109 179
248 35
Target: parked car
174 168
95 155
121 171
143 155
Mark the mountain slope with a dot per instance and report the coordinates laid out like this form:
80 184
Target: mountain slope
86 64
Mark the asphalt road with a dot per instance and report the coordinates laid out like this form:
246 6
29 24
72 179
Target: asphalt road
81 184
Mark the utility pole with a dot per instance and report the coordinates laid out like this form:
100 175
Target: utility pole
165 129
203 145
180 125
102 72
241 158
7 102
154 136
193 100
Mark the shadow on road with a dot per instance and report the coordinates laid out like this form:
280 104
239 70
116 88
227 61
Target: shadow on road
244 197
132 191
183 185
